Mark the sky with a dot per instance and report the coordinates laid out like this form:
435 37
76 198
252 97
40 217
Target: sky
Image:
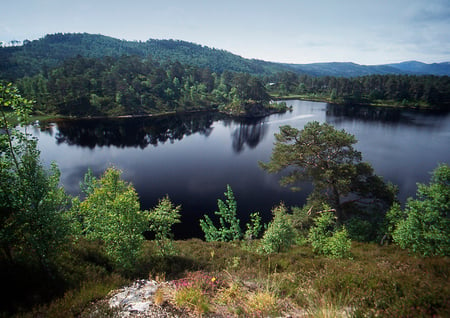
289 31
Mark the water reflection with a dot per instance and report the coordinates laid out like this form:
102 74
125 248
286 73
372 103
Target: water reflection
142 132
132 132
384 115
248 133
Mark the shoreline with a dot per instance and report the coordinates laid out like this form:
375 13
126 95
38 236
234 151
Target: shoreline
343 103
56 117
46 118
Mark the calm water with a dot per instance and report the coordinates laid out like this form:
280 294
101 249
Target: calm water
192 158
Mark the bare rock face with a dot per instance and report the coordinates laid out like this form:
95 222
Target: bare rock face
137 298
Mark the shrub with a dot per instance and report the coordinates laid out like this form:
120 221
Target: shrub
34 223
359 229
111 213
326 240
254 228
280 233
162 218
425 228
229 229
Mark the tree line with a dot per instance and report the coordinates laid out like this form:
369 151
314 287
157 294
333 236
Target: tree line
133 85
428 91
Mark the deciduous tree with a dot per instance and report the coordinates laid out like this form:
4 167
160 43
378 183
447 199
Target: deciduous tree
111 213
33 217
162 218
425 225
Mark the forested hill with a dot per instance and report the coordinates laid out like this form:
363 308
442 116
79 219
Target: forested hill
34 57
37 56
342 69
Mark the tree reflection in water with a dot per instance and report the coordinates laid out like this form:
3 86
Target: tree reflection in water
249 133
132 132
144 131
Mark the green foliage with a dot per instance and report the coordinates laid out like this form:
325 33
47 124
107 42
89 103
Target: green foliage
162 218
280 234
254 227
425 227
229 229
428 91
87 186
38 56
34 224
127 84
325 156
326 239
111 213
359 229
302 218
393 217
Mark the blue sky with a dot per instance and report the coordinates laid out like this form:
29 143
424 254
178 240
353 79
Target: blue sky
294 31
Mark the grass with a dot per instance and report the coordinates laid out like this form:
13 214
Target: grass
208 278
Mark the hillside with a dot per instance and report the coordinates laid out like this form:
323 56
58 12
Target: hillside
34 57
344 69
50 51
416 67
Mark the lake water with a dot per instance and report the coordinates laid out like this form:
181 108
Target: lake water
193 157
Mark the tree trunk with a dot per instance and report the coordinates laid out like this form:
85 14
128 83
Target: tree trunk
336 199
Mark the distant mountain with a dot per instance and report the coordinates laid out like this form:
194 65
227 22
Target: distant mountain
39 56
343 69
415 67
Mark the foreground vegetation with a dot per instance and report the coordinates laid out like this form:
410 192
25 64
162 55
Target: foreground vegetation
228 279
61 254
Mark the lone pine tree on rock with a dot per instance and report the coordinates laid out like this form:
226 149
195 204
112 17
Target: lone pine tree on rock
326 156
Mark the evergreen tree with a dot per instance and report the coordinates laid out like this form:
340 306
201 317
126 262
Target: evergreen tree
325 156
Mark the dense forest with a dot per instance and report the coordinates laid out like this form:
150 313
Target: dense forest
396 90
133 85
127 85
50 51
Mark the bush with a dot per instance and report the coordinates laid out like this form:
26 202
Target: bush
229 229
162 217
326 240
34 224
280 233
425 226
254 228
111 213
359 230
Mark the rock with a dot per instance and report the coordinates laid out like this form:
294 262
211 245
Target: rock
136 298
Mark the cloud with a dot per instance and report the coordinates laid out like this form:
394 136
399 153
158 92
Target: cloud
433 11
